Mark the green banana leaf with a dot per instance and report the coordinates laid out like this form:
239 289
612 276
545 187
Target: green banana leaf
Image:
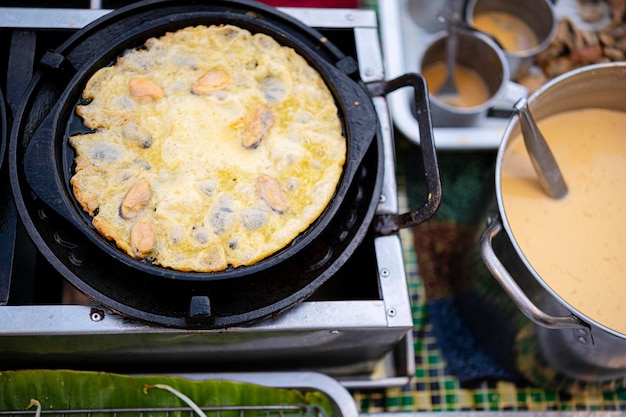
80 390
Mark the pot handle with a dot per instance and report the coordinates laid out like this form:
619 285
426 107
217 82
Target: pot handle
510 286
391 223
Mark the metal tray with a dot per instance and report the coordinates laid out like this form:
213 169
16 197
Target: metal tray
342 403
402 42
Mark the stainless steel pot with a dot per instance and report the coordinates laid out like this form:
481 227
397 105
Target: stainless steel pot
550 343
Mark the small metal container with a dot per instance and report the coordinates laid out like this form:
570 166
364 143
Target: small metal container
481 55
538 15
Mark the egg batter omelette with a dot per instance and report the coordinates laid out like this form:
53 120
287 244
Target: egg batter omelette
211 147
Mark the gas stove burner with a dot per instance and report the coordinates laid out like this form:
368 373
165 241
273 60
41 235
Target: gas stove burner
158 295
167 297
343 311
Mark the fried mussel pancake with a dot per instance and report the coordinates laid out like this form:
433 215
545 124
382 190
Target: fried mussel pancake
211 147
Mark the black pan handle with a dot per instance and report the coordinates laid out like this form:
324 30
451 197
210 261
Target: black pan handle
41 167
390 223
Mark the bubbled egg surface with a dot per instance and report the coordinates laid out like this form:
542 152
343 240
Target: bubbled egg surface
211 147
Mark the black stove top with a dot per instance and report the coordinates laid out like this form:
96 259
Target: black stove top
358 316
38 282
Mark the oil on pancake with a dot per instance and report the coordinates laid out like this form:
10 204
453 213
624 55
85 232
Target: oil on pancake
210 148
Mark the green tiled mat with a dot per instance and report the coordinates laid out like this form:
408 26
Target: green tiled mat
433 387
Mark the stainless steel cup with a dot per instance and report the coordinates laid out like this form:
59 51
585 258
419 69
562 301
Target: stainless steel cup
538 15
481 55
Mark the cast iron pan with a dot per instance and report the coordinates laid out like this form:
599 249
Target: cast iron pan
49 157
41 159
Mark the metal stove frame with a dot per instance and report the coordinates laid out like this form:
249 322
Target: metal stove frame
375 333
